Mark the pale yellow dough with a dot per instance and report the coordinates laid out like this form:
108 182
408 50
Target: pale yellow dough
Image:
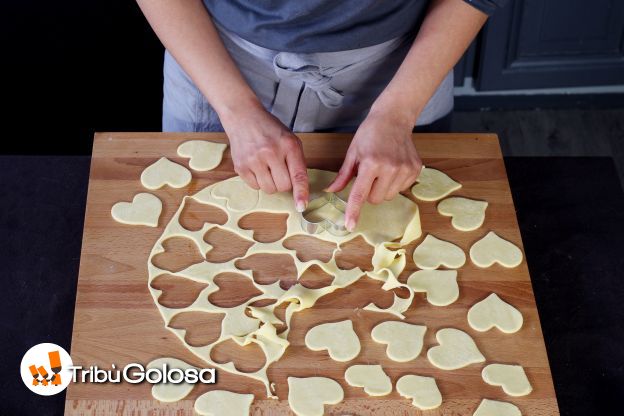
308 396
433 185
144 209
404 340
496 408
379 225
338 338
203 155
221 403
511 378
456 350
423 391
165 172
440 285
371 377
494 312
170 392
468 214
493 249
433 253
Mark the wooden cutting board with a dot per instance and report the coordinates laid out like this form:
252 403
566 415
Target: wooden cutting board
116 321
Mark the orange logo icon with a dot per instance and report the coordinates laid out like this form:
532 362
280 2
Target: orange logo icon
46 369
55 366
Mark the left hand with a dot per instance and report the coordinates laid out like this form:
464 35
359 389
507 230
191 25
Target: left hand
383 157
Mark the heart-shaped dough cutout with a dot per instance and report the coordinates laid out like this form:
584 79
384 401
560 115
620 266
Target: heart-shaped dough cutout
493 249
404 340
203 155
511 378
308 396
239 196
496 408
170 392
423 391
456 350
440 285
338 338
468 214
165 172
433 253
371 377
144 209
433 185
221 402
494 312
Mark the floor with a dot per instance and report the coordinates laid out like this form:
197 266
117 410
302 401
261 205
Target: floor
552 132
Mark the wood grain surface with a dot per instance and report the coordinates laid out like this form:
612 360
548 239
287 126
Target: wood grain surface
116 321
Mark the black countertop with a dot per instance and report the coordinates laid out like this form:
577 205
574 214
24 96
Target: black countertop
571 214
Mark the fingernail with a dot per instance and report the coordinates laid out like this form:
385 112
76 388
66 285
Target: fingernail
300 206
350 224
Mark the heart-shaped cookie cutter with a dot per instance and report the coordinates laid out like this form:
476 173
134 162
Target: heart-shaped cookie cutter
315 227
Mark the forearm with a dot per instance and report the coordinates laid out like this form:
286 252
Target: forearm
186 29
446 33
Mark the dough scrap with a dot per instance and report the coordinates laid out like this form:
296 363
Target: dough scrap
203 155
165 172
511 378
221 402
494 312
338 338
423 391
371 377
440 285
308 396
495 408
456 350
245 324
404 340
144 209
468 214
433 253
170 392
433 185
493 249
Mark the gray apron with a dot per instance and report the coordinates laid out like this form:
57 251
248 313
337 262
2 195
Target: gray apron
329 91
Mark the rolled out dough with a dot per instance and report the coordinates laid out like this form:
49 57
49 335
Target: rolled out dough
170 392
467 214
221 403
496 408
440 285
165 172
493 249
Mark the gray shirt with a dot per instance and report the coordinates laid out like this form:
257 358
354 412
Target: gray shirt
304 26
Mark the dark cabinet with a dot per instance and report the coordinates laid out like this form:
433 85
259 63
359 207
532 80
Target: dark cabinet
550 44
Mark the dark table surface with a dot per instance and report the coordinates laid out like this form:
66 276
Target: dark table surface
571 214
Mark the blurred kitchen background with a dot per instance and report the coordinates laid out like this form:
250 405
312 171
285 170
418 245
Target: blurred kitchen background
546 75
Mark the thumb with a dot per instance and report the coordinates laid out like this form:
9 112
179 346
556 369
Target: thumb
345 174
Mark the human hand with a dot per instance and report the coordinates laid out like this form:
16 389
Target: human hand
266 154
385 160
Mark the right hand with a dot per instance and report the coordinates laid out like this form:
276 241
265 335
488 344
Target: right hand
266 154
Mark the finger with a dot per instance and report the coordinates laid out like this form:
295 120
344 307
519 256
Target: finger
298 179
249 178
346 172
380 188
264 178
358 196
407 183
398 184
279 173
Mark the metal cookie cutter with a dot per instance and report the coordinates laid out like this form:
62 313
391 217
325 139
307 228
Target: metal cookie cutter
314 226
